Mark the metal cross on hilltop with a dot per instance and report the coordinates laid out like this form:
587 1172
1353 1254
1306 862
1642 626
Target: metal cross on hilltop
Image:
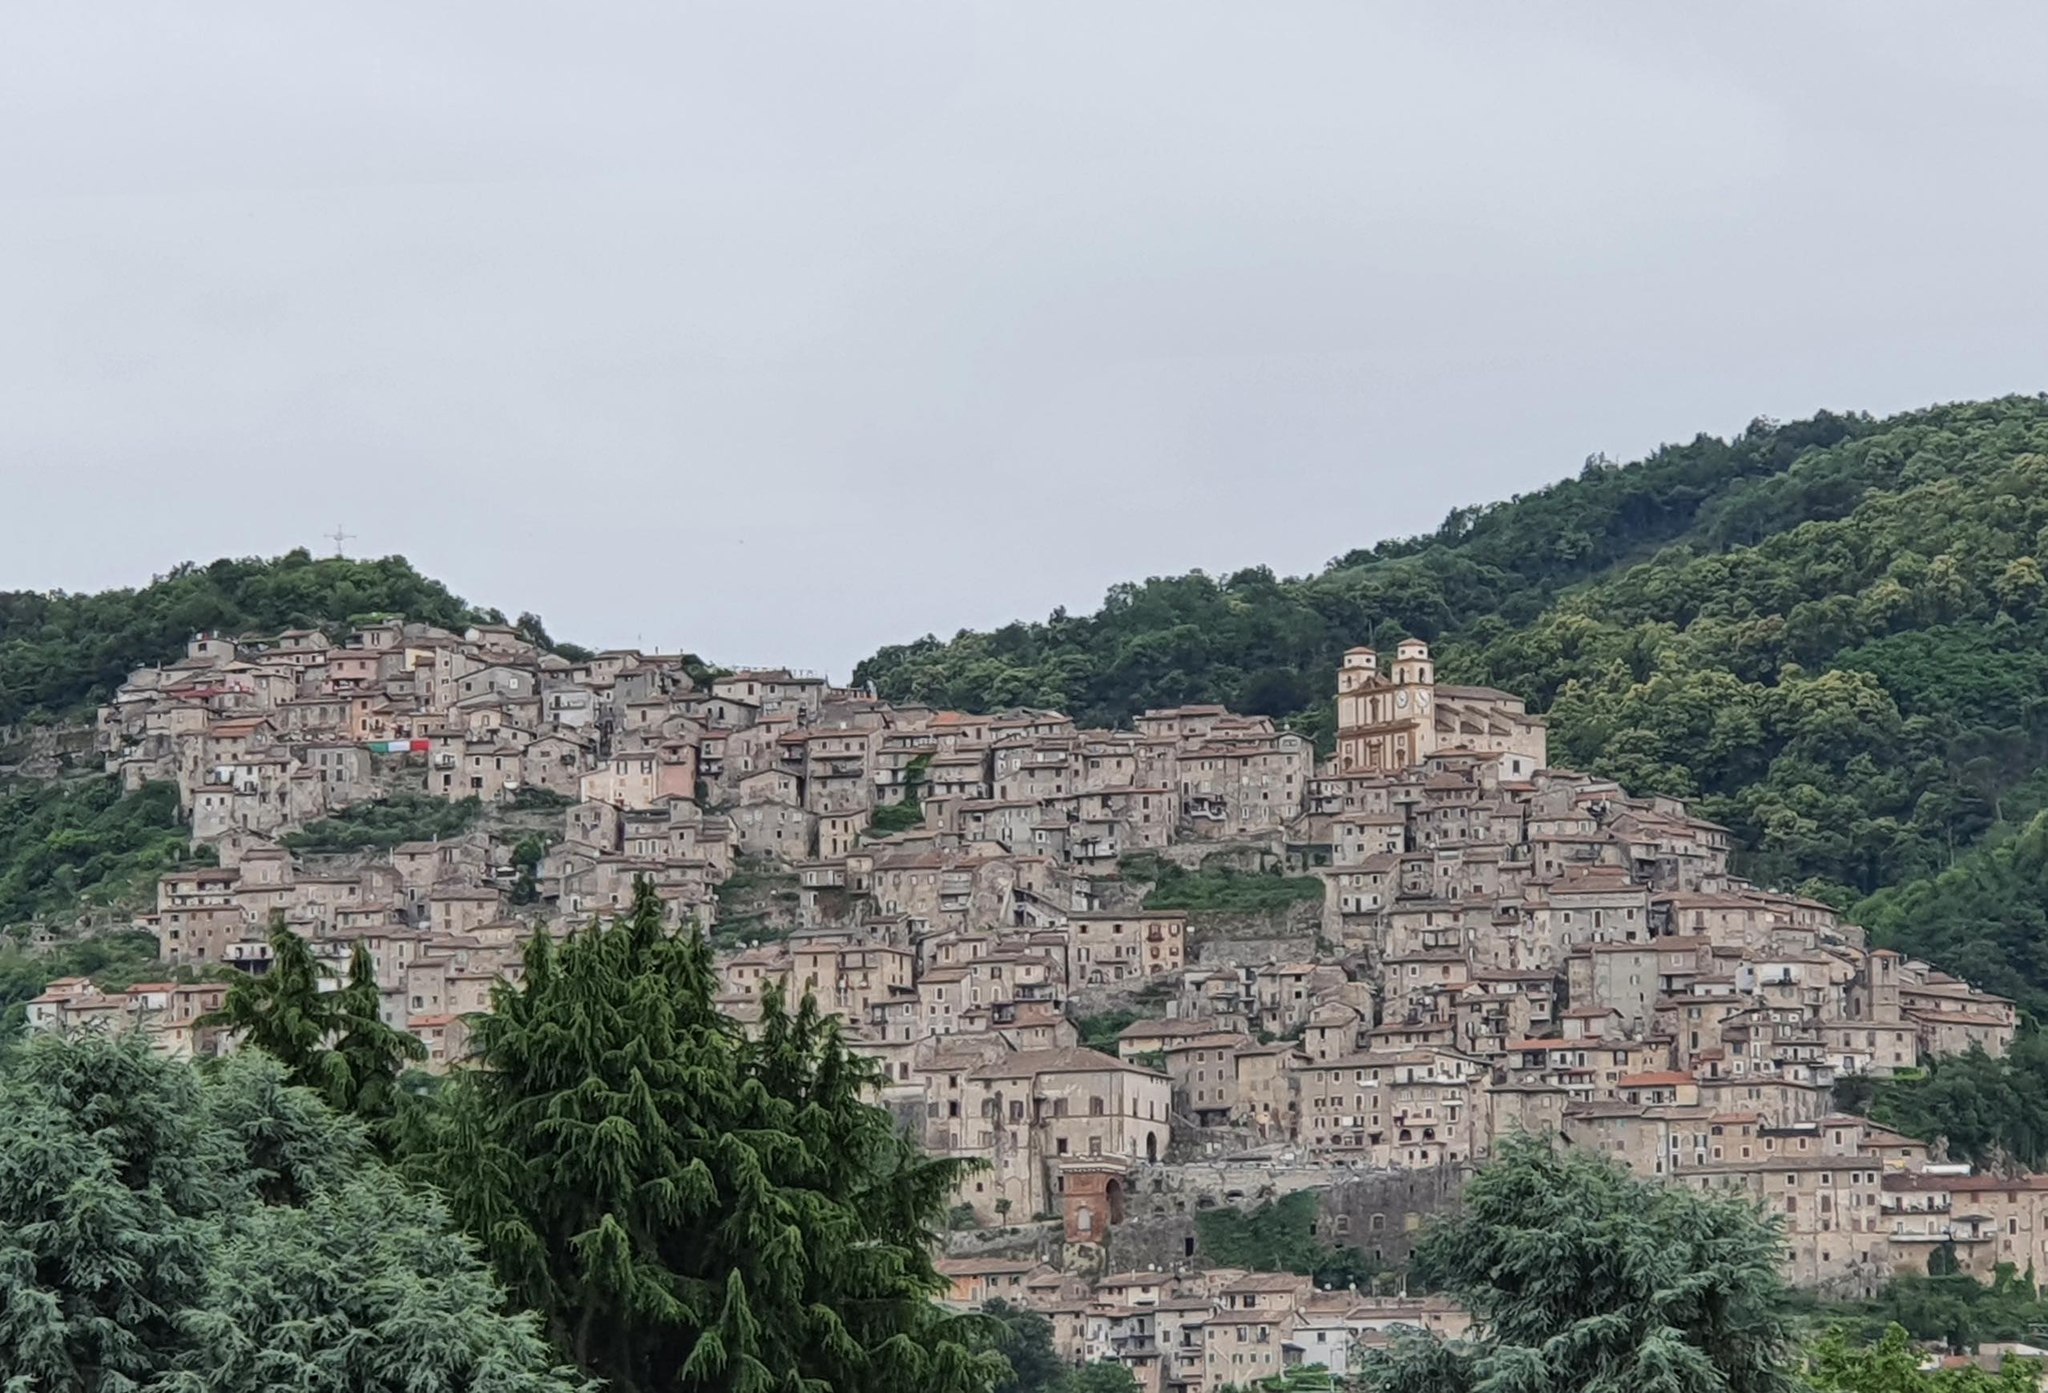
337 536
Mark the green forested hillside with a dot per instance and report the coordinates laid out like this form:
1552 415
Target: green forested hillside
63 844
1830 634
1853 695
1271 646
59 652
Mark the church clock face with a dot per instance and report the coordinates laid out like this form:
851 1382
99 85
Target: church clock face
1422 700
1401 700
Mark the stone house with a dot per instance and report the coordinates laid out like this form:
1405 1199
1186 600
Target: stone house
1115 946
773 691
1040 1113
641 778
1204 1074
554 762
779 830
839 833
1243 785
454 909
1254 1320
771 786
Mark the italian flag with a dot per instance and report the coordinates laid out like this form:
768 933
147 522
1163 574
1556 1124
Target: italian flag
400 747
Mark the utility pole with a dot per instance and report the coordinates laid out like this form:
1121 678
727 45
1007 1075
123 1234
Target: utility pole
337 536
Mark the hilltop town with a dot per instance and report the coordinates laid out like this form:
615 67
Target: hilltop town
1143 974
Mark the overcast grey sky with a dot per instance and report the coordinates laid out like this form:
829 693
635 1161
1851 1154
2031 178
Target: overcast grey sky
781 331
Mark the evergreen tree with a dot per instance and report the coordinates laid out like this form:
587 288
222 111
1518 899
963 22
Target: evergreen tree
1025 1340
172 1232
370 1054
282 1012
364 1287
689 1209
1582 1279
103 1178
335 1043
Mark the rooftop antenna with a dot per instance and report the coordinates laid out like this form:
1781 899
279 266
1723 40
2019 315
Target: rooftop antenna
337 536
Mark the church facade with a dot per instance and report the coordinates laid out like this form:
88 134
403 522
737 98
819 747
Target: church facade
1394 718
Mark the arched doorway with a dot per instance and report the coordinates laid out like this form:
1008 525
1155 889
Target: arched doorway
1152 1147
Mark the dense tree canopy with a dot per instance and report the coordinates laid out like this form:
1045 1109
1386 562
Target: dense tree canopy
1583 1279
1103 1376
1853 695
79 848
1989 1112
173 1232
1271 646
684 1207
690 1208
1985 918
1954 1310
1893 1365
64 846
